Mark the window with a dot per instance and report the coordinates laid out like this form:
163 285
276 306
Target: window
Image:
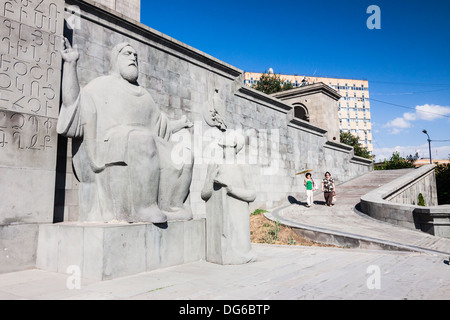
301 112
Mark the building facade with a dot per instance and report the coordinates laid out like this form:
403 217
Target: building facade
316 104
353 107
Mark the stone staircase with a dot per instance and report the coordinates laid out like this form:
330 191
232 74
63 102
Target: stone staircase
344 225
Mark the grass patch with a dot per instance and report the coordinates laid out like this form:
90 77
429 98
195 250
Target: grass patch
158 289
263 230
258 212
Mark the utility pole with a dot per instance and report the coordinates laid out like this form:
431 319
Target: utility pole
429 144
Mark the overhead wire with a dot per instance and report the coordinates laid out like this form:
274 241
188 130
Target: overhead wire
411 108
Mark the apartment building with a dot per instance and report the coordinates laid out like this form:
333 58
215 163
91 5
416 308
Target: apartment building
353 107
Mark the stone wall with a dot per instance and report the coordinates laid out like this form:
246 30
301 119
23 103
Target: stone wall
36 170
30 73
129 8
321 102
184 81
396 203
409 194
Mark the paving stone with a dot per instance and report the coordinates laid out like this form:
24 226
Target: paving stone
281 273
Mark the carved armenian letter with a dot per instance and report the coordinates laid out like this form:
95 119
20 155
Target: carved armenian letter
30 76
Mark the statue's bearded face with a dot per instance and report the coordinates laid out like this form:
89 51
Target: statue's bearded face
128 64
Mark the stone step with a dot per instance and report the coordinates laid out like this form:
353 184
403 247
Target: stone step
344 225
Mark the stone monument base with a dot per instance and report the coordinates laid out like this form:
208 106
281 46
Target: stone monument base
18 244
109 251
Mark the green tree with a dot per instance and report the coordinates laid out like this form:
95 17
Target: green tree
421 200
443 183
397 162
272 83
412 159
351 140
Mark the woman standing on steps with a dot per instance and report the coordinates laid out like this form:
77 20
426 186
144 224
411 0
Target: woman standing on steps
328 189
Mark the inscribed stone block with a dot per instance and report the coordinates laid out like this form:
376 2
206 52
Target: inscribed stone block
30 74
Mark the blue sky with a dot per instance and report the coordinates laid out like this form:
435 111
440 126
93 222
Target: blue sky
407 61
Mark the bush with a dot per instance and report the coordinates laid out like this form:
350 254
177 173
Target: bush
421 200
396 162
272 83
351 140
443 183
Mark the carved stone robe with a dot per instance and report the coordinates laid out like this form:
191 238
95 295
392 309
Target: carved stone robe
227 214
115 127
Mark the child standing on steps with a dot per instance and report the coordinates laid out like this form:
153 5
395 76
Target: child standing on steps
310 186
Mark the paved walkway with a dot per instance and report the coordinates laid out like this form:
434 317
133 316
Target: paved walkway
342 220
280 273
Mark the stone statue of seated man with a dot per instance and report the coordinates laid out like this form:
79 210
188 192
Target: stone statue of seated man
121 145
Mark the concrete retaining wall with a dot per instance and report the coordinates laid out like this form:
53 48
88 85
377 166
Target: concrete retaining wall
424 184
434 220
396 203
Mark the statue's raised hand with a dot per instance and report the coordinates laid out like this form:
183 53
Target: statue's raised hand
68 53
186 124
181 124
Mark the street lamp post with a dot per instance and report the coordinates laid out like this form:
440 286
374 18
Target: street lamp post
429 144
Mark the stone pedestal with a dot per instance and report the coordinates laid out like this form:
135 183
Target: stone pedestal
109 251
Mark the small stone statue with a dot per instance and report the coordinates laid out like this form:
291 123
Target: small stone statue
227 192
121 145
